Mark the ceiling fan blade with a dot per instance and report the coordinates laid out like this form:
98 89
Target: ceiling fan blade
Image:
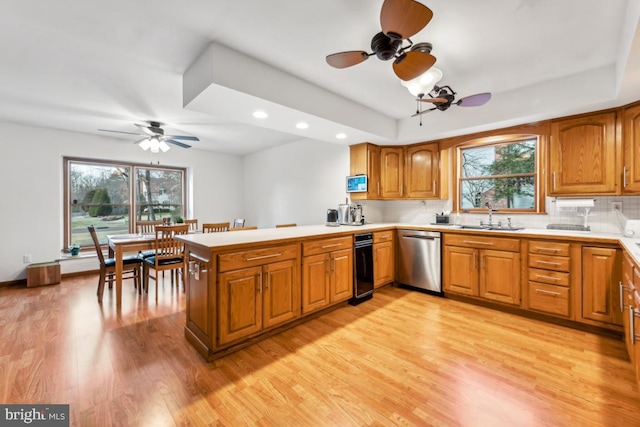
187 138
347 59
474 100
432 100
411 64
424 112
178 143
117 131
403 18
145 129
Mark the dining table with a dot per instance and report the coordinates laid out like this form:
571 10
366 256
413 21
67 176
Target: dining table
119 244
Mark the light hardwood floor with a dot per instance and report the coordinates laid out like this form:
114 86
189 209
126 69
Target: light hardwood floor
402 358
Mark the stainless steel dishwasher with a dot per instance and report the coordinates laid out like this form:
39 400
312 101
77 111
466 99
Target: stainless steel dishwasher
419 260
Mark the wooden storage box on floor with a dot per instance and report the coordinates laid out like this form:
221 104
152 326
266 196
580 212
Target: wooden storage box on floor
46 273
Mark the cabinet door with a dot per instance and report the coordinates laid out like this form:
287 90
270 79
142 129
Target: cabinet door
391 172
383 263
239 304
315 282
422 171
341 283
627 287
582 155
500 276
200 307
631 150
460 270
601 274
281 293
365 159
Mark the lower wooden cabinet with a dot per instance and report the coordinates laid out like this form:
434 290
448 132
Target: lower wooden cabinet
601 275
384 266
257 298
485 267
549 278
327 273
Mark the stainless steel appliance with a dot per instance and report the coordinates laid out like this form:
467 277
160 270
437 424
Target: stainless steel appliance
363 268
350 214
419 260
332 218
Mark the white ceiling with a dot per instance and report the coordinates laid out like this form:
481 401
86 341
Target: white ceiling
83 65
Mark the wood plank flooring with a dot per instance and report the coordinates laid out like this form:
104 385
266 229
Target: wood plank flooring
402 358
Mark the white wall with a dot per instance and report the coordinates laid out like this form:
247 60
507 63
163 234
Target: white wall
296 182
31 171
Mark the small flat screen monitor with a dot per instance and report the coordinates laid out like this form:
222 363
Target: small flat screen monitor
357 184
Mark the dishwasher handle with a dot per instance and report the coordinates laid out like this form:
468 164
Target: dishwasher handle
417 236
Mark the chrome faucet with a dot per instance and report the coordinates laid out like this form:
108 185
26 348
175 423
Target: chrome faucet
491 210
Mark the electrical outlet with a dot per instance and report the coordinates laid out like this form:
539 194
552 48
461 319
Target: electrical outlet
26 258
616 206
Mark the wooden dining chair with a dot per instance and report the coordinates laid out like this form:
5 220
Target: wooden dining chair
238 223
192 223
130 269
147 227
169 254
286 225
251 227
215 227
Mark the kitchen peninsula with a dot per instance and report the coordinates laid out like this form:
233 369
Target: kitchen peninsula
244 286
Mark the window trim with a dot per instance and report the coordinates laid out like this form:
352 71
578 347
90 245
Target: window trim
67 161
539 179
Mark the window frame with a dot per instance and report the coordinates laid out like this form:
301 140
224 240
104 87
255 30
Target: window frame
540 195
132 203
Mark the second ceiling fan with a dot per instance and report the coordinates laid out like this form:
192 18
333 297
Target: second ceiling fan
400 20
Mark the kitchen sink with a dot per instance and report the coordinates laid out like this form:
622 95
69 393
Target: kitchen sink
488 227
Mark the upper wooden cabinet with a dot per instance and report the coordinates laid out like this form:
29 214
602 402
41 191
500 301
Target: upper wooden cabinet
392 172
422 171
582 155
365 160
631 150
399 172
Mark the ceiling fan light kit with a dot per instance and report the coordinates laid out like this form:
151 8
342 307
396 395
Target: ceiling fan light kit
424 83
154 138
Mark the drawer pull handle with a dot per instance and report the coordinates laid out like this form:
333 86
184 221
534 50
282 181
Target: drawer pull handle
262 257
540 276
547 262
542 291
474 242
547 249
331 246
633 337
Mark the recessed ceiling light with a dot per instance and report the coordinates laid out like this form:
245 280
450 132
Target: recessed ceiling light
341 135
260 114
302 125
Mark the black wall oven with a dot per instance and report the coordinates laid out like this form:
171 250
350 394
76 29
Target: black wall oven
363 268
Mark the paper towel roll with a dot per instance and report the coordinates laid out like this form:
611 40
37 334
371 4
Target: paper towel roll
574 203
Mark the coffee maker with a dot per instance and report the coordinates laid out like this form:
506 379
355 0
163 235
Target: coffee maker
349 214
332 218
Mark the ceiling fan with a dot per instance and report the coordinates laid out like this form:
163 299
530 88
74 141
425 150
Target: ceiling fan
155 139
443 97
399 19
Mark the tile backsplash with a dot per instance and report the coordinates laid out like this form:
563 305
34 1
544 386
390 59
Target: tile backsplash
601 217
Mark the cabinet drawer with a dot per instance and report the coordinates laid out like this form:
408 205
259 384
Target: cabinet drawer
549 299
383 236
548 248
482 242
326 245
254 257
547 276
549 262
